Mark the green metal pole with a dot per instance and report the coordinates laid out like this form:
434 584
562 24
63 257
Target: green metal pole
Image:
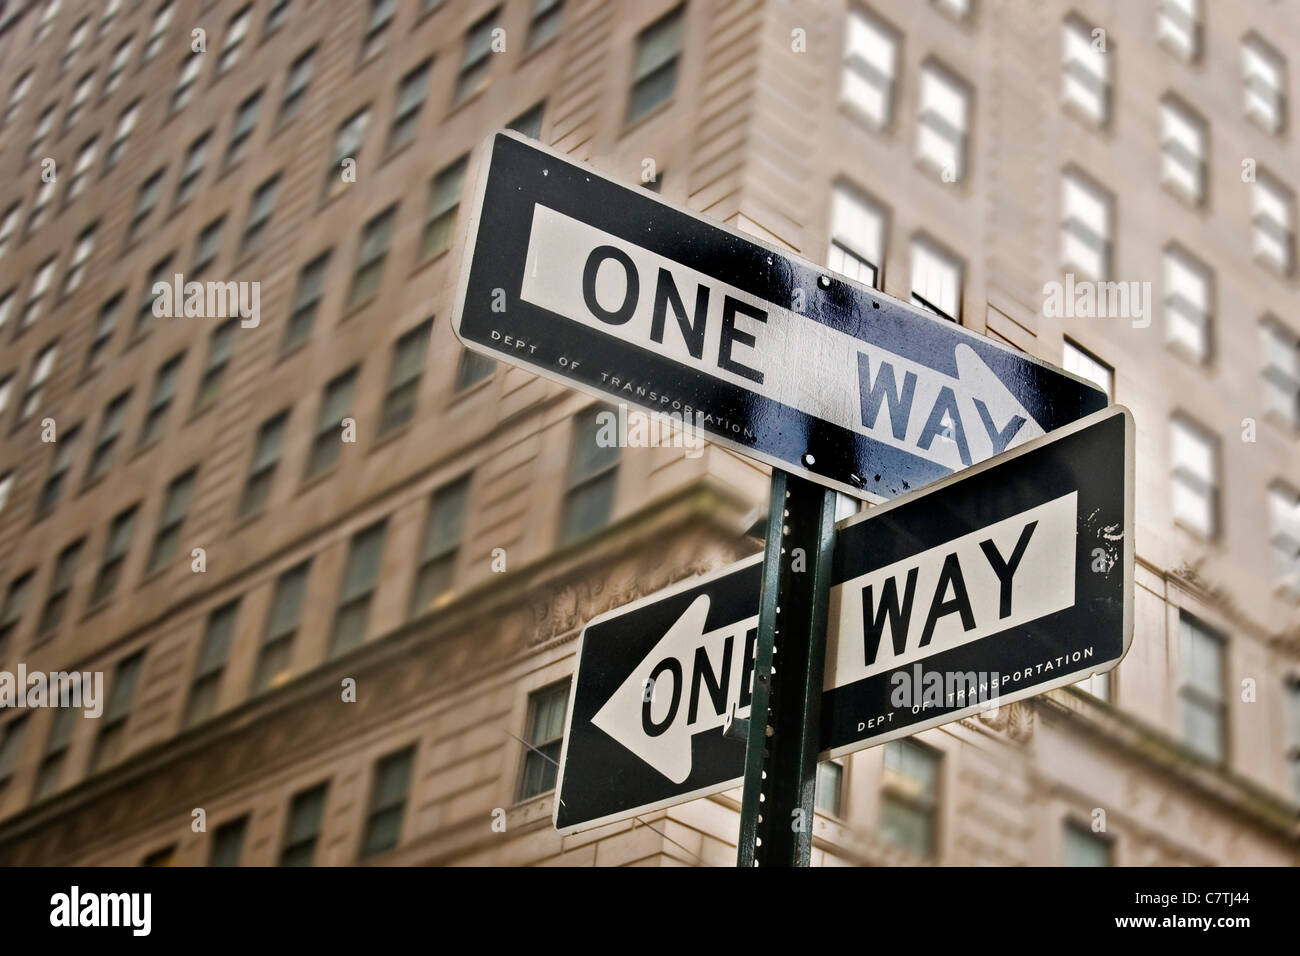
776 814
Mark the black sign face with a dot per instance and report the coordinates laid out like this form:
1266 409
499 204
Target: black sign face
997 584
610 289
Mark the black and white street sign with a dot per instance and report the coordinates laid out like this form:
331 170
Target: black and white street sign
1005 581
611 289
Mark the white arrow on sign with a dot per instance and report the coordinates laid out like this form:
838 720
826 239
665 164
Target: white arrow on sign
577 270
689 673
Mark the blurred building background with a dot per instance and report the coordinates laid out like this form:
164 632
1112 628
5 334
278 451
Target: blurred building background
960 153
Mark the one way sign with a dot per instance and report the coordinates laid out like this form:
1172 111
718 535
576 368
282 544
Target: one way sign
1008 580
611 289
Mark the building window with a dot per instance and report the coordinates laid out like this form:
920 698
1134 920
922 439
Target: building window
909 803
1085 848
228 843
6 487
336 402
266 458
1273 214
235 33
64 450
1281 349
144 317
658 52
162 18
40 206
360 575
241 132
116 548
105 325
41 368
442 533
548 16
1189 304
369 270
387 803
11 745
1264 78
1195 457
44 124
593 475
213 653
306 302
195 159
943 122
145 200
295 87
164 390
1201 688
81 253
116 67
121 134
220 347
8 223
857 236
472 369
111 741
1183 139
404 377
381 15
46 23
1085 76
81 169
17 93
171 520
303 830
11 613
61 582
406 112
528 124
830 787
348 139
1284 520
444 202
275 17
1178 27
275 660
185 80
76 39
6 306
36 295
545 736
1098 685
475 61
111 9
80 94
110 429
50 770
259 215
1084 364
206 247
936 279
1086 220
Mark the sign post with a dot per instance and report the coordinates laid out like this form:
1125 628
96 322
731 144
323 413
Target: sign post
785 713
992 586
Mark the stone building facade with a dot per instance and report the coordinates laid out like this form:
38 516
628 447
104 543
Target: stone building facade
962 152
